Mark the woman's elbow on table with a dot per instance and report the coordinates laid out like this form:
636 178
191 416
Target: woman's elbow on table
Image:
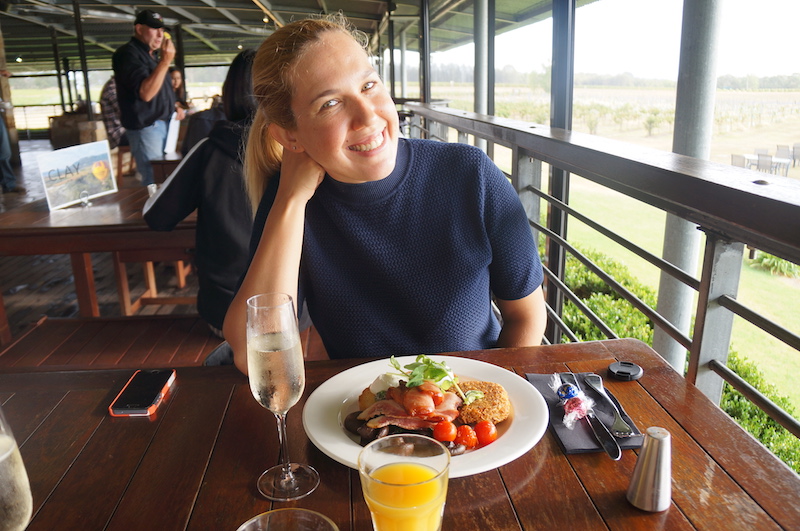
234 330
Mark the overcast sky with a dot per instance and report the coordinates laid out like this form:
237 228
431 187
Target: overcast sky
758 37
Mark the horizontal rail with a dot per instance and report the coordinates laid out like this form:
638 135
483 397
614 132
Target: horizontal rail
635 301
769 407
761 322
599 323
726 199
660 263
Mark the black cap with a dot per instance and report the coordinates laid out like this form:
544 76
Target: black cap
150 18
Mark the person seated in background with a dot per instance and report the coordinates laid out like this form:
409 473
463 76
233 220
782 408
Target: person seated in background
111 115
210 180
200 124
179 87
397 246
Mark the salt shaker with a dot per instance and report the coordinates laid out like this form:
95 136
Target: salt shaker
651 484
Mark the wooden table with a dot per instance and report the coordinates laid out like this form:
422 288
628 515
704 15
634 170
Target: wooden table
113 223
195 464
136 342
164 166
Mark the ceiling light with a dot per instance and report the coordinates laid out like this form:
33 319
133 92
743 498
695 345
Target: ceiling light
18 59
265 20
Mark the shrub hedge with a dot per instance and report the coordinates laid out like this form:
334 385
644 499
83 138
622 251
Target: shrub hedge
626 321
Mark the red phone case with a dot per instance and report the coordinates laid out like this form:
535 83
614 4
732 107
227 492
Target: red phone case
151 408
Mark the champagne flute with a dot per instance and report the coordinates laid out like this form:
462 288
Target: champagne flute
16 502
277 377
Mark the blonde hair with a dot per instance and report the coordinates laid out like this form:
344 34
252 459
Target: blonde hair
272 88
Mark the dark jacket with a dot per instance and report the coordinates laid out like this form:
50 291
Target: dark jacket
200 124
133 64
210 180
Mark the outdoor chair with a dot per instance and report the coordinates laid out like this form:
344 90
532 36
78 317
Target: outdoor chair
762 151
122 153
738 160
795 153
765 163
783 152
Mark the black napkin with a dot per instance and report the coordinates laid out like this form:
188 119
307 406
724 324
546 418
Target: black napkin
580 439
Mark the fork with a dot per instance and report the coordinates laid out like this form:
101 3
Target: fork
619 428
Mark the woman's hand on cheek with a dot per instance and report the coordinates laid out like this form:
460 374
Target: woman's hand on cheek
300 174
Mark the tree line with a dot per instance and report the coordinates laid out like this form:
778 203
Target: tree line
508 75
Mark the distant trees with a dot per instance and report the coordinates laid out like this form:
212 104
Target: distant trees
508 75
729 82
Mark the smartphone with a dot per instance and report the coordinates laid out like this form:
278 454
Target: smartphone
143 393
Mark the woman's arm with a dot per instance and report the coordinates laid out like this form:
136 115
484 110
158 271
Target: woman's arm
524 320
276 263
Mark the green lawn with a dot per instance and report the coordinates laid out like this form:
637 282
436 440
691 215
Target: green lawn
773 296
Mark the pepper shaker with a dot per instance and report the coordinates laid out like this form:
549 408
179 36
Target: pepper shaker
651 484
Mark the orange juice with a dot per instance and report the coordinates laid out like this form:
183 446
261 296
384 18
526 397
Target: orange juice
405 497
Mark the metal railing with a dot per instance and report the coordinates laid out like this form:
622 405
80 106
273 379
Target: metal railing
732 206
33 120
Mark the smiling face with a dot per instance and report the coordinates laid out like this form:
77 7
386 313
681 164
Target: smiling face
345 119
150 36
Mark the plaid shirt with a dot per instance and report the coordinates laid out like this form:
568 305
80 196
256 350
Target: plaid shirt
111 113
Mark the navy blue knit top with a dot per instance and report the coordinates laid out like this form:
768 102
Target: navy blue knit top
407 264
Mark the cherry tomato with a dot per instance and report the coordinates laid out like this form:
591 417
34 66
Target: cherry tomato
465 435
444 431
486 432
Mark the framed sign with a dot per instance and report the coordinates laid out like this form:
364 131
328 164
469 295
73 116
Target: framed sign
77 174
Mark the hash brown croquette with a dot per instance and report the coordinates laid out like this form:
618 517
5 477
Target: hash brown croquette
494 405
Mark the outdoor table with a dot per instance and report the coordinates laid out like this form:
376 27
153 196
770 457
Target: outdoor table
778 162
194 464
112 223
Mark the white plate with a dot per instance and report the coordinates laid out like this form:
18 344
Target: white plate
330 403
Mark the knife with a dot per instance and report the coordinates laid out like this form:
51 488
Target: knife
601 433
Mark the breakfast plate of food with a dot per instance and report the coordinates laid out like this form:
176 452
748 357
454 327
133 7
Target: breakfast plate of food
494 415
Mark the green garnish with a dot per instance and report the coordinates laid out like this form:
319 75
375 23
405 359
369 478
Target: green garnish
425 368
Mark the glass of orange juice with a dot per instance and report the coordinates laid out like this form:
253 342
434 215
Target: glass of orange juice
404 480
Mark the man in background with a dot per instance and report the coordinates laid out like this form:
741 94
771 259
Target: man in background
144 90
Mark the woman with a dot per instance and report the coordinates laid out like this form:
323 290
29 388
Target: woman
210 180
394 244
180 90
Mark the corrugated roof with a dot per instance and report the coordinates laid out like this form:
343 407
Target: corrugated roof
213 30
